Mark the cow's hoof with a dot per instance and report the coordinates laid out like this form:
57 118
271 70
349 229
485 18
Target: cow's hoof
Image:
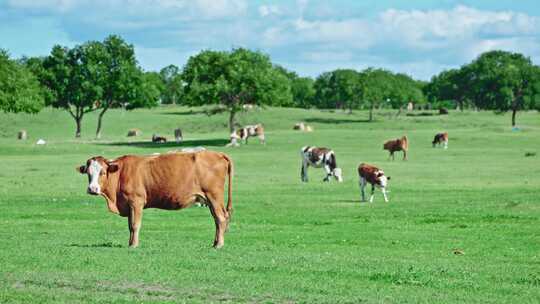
218 246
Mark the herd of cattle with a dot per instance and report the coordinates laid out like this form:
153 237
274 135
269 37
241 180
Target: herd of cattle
179 179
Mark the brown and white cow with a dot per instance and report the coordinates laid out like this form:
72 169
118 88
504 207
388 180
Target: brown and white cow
374 176
318 157
441 138
169 181
251 131
399 144
158 139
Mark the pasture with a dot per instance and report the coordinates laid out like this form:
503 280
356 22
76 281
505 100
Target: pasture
462 225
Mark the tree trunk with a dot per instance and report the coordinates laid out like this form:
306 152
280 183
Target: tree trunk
232 118
99 124
460 104
78 121
514 111
399 112
371 112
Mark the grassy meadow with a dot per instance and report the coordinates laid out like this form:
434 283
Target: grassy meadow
462 225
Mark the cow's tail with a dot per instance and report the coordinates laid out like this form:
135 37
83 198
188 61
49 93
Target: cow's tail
230 173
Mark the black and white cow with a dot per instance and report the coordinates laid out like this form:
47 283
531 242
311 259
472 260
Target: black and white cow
320 157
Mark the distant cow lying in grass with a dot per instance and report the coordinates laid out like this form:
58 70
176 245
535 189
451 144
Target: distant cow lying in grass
441 138
158 139
320 157
374 176
399 144
250 131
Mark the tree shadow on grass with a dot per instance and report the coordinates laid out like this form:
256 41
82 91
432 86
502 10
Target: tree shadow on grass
335 121
185 113
216 142
99 245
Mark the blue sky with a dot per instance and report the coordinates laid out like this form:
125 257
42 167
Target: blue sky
420 38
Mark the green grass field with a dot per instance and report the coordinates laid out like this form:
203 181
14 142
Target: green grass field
289 242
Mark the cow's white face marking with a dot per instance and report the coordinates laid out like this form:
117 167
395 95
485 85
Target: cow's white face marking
383 181
94 171
337 174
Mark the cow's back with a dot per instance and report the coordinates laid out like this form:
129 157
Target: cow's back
173 180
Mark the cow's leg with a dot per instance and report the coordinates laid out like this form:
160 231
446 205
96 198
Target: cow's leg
135 220
446 145
384 194
328 173
404 155
262 139
221 216
303 173
372 194
362 188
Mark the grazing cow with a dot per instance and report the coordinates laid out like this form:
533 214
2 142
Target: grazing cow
158 139
441 138
320 157
169 181
178 135
249 131
399 144
374 176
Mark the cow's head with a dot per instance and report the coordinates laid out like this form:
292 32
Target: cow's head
337 174
381 179
98 169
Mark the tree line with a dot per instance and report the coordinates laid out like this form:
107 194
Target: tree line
100 75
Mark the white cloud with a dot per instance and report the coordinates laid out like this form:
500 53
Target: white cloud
268 10
300 33
53 5
440 28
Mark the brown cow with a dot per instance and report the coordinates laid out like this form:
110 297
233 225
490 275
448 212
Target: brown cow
399 144
158 139
169 181
441 138
374 176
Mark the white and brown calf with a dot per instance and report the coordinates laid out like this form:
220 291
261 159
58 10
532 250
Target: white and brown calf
320 157
374 176
441 138
251 131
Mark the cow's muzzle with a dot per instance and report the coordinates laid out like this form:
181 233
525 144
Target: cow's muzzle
93 191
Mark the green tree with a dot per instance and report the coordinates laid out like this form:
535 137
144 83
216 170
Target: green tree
375 87
345 88
302 89
19 88
118 75
232 79
70 81
172 84
452 84
338 89
404 89
323 91
303 92
503 81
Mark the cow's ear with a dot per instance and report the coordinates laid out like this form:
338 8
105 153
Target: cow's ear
81 169
112 167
